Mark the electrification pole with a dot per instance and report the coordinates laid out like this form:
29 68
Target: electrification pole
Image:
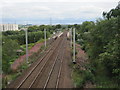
74 46
45 36
26 34
50 21
71 36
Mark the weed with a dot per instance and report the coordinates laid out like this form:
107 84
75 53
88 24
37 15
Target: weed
80 77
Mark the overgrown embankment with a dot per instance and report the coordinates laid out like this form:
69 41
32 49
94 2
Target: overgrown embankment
13 48
82 76
101 42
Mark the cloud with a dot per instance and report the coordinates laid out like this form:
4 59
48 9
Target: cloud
85 12
23 10
61 10
19 1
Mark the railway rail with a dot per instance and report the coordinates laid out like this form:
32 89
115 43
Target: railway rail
56 69
49 64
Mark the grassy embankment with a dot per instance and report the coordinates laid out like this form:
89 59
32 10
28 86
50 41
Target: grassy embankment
14 74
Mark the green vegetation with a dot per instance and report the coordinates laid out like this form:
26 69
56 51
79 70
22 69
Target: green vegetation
12 41
9 48
81 76
32 37
13 46
101 41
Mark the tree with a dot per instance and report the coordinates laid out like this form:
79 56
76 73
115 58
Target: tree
101 41
9 48
58 26
33 28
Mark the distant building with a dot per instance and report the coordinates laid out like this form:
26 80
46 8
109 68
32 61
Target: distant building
1 27
8 27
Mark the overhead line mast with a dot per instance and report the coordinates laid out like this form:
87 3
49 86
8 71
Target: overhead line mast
50 21
45 36
26 34
74 61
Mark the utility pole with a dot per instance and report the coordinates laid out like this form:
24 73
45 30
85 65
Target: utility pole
45 36
26 34
74 61
71 36
50 21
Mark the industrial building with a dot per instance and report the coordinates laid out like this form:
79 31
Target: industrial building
8 27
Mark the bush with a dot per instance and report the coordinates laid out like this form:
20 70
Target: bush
8 53
80 77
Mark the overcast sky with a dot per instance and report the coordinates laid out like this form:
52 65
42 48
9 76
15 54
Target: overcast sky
60 11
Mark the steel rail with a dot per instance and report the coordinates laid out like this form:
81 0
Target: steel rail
35 67
58 77
39 72
47 81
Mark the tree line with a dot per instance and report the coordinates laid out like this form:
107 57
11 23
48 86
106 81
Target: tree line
12 41
101 41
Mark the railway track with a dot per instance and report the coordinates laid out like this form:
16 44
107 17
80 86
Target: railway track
48 65
54 74
42 69
43 79
52 47
60 69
